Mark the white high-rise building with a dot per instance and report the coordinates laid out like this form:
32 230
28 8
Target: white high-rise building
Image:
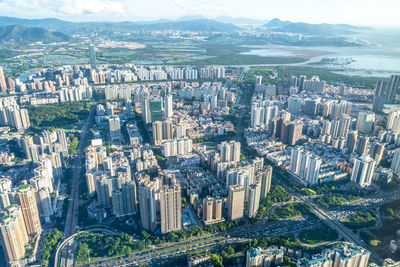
177 147
344 126
157 132
295 159
148 199
146 111
395 166
262 112
115 127
393 122
229 151
363 171
365 121
314 85
294 105
258 79
313 170
170 208
236 201
168 106
92 52
305 165
5 190
334 110
254 200
180 131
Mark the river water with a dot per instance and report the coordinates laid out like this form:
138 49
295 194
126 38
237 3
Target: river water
379 56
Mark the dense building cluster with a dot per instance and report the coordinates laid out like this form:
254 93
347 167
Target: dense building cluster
343 255
319 135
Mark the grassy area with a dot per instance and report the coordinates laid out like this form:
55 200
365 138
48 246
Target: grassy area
73 146
308 192
276 195
265 72
370 238
292 210
391 210
330 200
62 115
211 146
362 220
318 235
230 54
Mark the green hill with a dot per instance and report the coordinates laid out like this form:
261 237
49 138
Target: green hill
278 25
197 25
26 34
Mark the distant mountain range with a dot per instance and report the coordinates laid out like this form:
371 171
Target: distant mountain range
27 34
278 25
197 25
51 30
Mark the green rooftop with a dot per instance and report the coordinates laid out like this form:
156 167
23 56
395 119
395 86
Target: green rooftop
10 207
5 217
25 186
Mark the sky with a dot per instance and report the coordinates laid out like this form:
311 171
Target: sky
356 12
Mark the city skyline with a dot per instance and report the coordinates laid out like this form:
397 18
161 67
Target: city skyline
311 11
199 133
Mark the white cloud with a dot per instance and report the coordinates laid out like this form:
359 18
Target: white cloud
384 12
73 7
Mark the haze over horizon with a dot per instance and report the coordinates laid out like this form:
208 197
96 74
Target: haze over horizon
358 12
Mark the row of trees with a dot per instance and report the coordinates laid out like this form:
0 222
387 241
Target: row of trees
216 139
98 245
362 220
50 245
318 235
293 210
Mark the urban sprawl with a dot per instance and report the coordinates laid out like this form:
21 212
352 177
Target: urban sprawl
188 165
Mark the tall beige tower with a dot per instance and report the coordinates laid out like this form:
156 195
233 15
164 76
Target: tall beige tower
13 234
3 85
170 208
148 199
235 201
208 203
230 151
266 178
254 200
29 208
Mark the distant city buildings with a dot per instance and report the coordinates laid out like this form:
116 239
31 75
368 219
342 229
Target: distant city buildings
142 170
